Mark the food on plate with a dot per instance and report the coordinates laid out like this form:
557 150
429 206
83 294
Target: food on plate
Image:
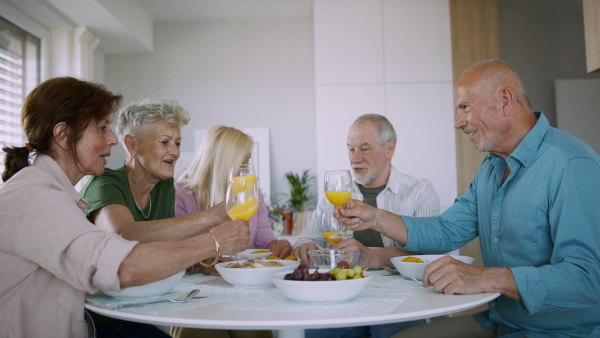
302 273
253 264
290 258
259 252
272 257
413 260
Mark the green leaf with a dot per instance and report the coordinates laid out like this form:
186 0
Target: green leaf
299 189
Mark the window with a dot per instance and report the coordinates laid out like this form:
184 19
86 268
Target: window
19 74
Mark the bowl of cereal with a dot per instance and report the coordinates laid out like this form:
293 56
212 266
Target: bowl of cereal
253 273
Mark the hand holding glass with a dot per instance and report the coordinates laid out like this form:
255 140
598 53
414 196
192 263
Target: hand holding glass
338 190
241 200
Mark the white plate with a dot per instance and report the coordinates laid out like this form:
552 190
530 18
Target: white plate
151 289
335 291
249 254
253 278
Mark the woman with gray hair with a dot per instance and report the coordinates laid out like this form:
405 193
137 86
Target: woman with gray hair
137 200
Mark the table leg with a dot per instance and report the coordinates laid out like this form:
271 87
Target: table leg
290 333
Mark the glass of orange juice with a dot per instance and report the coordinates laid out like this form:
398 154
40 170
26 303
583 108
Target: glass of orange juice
338 190
330 228
241 200
242 172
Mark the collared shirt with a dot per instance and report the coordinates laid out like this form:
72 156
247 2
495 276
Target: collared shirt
543 223
403 195
50 254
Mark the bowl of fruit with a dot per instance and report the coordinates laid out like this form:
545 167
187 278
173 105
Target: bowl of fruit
322 286
326 260
414 266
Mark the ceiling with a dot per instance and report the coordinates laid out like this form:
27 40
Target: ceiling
126 26
181 10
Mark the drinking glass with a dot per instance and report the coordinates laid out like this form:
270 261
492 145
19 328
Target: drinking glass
338 190
241 200
330 228
242 172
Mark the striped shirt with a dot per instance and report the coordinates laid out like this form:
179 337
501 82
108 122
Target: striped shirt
403 195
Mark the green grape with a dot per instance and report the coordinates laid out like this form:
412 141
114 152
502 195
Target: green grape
341 275
350 273
358 270
357 276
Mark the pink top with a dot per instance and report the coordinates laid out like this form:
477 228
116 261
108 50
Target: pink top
261 235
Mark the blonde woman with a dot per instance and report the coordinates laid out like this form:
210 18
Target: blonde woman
204 183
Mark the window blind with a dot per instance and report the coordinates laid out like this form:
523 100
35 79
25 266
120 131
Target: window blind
19 74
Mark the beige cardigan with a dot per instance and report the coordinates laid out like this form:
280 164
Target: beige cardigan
50 254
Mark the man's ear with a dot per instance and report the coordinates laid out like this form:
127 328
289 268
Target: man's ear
61 135
390 148
507 99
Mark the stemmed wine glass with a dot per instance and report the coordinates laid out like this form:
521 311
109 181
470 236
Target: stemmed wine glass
242 172
330 228
241 200
338 190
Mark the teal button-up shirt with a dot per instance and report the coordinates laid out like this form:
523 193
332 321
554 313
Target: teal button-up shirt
543 223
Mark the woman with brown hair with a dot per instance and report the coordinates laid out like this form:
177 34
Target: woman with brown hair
50 254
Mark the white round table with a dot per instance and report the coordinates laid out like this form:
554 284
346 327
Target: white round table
422 303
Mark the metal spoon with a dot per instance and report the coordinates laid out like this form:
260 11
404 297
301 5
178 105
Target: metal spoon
181 299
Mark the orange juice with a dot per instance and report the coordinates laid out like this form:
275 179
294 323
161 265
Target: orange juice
242 179
338 198
244 210
328 235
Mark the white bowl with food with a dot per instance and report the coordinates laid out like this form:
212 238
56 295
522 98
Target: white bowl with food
254 253
148 290
256 273
333 291
414 265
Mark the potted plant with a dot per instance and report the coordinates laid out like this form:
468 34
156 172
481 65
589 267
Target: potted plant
299 198
276 215
299 190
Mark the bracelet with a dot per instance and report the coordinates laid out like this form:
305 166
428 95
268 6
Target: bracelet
218 253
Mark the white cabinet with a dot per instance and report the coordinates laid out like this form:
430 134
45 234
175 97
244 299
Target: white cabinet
390 57
348 42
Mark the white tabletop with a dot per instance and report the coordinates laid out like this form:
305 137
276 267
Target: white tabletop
229 307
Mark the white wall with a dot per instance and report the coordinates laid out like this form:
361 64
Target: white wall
245 74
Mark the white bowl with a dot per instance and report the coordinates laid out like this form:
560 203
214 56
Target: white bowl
416 270
151 289
334 291
249 254
253 277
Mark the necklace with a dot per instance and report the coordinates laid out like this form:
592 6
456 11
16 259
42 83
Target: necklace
142 211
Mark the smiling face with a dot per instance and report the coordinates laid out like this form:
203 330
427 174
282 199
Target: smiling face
478 113
371 162
94 146
157 149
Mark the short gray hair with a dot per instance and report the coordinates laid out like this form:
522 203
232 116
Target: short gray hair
385 130
149 111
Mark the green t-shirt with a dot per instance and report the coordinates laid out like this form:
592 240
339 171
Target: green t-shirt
370 237
112 187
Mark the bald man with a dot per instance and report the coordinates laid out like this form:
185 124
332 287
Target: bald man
534 204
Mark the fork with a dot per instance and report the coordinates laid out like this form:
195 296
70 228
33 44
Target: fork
181 299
